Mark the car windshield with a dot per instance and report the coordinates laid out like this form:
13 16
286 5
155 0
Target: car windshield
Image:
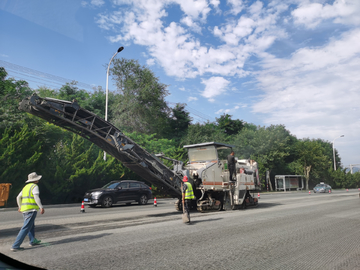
111 185
320 185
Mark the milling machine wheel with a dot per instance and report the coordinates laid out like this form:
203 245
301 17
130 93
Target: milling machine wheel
178 205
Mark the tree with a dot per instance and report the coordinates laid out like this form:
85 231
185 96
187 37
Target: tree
310 159
20 151
179 121
268 146
74 166
70 91
229 126
140 105
200 133
11 93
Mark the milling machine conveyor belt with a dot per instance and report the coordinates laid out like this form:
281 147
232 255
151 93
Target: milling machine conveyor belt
71 116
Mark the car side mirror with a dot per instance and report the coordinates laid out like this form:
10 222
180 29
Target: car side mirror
119 188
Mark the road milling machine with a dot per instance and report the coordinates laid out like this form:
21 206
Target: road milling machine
206 169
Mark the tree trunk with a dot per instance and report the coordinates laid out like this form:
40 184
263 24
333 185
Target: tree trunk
307 175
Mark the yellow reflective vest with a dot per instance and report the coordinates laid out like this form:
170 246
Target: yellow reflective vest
28 201
189 193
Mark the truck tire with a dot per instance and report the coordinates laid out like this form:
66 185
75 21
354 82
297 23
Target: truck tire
178 205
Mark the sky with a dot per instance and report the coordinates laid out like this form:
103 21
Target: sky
289 62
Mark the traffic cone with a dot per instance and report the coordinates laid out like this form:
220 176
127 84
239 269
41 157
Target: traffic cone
347 190
258 195
309 192
82 210
329 190
155 203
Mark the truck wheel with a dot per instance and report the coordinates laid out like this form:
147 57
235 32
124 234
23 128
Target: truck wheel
221 207
178 205
243 205
107 202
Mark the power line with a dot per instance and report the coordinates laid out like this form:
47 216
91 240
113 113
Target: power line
53 81
39 75
201 117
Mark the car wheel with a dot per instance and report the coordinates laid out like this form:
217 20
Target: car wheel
143 199
107 202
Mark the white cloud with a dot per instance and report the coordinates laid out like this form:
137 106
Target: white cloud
175 45
215 3
191 24
236 6
192 99
150 62
311 14
316 92
97 3
227 111
197 9
313 90
214 87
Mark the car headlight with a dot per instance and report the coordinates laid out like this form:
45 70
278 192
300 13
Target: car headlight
96 194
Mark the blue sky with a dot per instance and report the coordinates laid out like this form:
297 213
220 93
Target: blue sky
290 62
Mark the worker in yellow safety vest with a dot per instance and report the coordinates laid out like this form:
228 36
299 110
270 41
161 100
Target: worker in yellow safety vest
29 203
187 196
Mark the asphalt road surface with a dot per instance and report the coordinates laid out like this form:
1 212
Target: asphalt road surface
292 230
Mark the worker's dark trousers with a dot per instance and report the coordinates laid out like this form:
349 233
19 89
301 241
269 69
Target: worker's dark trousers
187 208
232 172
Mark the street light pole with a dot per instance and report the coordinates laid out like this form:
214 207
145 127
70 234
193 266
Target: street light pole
107 88
334 150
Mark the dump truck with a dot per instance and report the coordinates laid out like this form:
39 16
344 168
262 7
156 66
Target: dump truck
206 169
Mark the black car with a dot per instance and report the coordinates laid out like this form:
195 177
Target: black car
125 191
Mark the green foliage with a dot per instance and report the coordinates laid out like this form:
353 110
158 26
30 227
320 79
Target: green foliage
156 146
200 133
269 146
75 166
11 93
70 165
70 91
311 158
229 126
20 151
140 105
179 121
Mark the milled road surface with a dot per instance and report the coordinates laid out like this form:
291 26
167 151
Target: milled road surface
286 231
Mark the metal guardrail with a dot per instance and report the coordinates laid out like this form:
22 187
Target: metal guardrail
70 116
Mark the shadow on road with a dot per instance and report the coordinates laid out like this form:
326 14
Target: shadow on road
79 238
194 222
267 205
166 214
13 232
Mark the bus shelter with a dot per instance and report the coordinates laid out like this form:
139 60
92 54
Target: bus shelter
289 182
